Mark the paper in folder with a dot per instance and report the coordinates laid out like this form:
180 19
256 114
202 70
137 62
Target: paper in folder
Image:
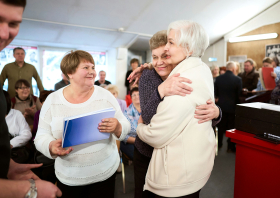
83 129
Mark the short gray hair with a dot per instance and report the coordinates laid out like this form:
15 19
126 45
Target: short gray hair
191 36
231 65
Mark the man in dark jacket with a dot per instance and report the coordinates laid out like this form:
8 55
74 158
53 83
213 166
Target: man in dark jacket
228 88
249 76
13 176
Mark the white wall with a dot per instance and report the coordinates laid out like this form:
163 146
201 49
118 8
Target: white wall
269 16
120 70
217 50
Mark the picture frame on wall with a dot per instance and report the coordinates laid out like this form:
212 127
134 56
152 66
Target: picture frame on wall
272 51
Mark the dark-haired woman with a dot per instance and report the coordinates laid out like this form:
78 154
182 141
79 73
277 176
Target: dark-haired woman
25 102
18 127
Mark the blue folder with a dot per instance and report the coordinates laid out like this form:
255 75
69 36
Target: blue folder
83 129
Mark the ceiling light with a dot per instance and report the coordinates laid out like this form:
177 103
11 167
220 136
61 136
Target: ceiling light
253 37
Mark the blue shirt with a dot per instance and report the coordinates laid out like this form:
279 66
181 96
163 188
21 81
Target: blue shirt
132 115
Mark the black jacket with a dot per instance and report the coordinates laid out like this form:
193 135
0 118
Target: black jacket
228 88
5 148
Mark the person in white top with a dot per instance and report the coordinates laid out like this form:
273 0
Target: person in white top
184 150
18 127
86 170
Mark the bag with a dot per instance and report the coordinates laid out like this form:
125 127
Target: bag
39 158
19 154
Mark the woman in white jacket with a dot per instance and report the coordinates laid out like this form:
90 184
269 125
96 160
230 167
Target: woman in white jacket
184 150
17 125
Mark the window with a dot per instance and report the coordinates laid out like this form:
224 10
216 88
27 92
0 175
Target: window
51 67
31 57
100 60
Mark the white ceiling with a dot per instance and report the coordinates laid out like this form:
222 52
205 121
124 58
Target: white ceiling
95 23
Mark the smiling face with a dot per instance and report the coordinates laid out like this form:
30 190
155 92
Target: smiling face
175 53
84 74
10 19
159 62
23 91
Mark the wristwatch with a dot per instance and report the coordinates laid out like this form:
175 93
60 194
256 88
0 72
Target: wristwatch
32 193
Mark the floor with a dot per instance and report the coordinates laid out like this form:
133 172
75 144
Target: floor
220 184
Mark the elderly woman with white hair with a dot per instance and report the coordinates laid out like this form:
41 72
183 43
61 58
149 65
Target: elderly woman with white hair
184 150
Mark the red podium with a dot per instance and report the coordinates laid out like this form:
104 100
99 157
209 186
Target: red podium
257 166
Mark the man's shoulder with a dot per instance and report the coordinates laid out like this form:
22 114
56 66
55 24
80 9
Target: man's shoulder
107 82
9 65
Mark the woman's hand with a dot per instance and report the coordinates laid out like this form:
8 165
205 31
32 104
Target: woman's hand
174 85
140 120
136 74
56 148
207 112
30 111
273 74
110 125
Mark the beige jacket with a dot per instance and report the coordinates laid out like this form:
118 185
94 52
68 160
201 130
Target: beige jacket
184 152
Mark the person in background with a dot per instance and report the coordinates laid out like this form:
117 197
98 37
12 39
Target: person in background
115 91
64 82
43 96
215 72
237 68
134 63
128 96
268 62
276 64
132 114
24 101
13 176
19 70
227 88
222 70
249 77
18 127
90 170
102 76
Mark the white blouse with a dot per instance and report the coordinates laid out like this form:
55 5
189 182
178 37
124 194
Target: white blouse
18 128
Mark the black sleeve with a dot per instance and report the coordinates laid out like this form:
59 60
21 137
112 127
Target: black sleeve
5 149
216 90
126 76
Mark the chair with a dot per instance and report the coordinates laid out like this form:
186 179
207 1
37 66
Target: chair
122 165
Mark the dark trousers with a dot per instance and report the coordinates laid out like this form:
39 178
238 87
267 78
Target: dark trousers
226 123
127 149
97 190
194 195
141 164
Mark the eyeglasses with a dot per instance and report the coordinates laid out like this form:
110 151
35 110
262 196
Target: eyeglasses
134 95
24 88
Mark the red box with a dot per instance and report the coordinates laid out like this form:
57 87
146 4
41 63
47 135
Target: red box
257 166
